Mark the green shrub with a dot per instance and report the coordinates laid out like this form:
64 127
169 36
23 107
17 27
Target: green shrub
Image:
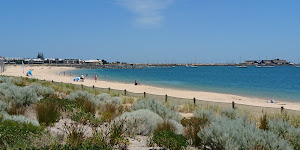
169 140
88 106
128 100
226 133
110 111
263 122
112 135
47 111
165 126
75 134
140 122
192 127
19 82
157 107
85 146
86 118
15 110
64 104
15 134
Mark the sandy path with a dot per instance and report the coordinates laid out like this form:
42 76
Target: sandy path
52 73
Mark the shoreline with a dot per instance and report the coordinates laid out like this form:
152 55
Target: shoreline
52 73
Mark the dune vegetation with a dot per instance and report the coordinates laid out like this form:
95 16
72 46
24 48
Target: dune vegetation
38 114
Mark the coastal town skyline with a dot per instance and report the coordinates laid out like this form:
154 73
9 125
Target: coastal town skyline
153 31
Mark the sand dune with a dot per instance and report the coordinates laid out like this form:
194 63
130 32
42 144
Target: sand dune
52 73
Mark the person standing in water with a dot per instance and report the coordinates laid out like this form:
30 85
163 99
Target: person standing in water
96 78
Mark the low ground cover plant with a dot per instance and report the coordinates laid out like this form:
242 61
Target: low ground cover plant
169 140
15 134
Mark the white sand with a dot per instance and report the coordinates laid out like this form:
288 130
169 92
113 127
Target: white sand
51 73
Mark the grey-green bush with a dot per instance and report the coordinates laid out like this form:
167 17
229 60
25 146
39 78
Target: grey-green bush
41 90
97 100
19 118
230 113
104 97
19 95
286 131
158 108
178 126
80 94
210 115
140 122
4 106
4 79
228 134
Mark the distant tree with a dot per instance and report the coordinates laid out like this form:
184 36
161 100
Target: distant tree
41 56
104 61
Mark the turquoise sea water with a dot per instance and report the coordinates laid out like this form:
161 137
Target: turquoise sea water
280 82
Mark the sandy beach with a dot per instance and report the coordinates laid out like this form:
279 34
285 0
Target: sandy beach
52 73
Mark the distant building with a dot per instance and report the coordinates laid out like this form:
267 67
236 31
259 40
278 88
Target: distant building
72 61
92 62
251 62
9 60
266 62
280 62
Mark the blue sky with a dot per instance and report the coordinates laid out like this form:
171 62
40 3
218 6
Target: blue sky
154 31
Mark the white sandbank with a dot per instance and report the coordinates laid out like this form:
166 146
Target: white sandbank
52 73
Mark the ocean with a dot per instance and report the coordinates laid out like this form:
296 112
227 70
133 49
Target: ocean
279 83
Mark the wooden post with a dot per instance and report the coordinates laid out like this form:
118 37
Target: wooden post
93 87
233 105
125 92
194 101
144 94
282 109
166 98
109 90
81 87
52 81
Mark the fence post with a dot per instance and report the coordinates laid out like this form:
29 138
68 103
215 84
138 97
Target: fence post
109 90
52 81
93 87
144 94
166 98
282 109
233 105
125 92
194 101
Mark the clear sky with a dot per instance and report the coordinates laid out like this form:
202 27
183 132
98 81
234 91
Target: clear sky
154 31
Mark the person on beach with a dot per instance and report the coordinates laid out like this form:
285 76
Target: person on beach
135 83
82 78
96 78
